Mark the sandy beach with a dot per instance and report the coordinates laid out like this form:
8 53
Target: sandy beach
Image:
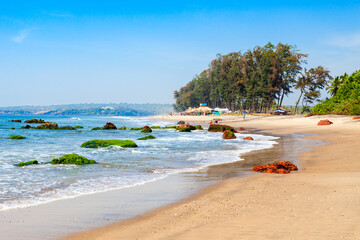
321 201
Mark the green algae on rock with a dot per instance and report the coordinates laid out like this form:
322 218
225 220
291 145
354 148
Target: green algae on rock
22 164
168 127
155 127
98 143
72 158
147 137
199 127
122 128
78 126
16 137
146 129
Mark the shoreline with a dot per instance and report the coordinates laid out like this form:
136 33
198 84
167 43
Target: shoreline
299 205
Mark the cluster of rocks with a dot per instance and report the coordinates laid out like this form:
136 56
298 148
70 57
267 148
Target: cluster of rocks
15 120
282 167
324 122
34 120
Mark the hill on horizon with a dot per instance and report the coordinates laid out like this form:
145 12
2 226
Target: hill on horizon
90 109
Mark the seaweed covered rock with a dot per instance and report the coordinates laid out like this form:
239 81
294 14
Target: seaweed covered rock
98 143
34 120
324 122
199 127
72 159
12 128
26 127
248 138
16 137
22 164
15 120
181 122
185 128
122 128
282 167
228 135
49 125
146 129
169 127
67 128
220 128
78 126
147 137
155 127
97 128
109 125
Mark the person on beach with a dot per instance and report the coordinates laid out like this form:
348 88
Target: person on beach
244 113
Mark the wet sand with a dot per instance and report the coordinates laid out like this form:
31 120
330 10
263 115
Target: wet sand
321 201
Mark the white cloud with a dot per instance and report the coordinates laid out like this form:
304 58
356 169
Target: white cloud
21 36
346 40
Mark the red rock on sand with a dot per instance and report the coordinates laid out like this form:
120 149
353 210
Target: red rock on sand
248 138
356 117
282 167
309 115
324 122
241 129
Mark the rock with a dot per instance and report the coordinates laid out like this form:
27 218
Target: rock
146 129
34 120
199 127
22 164
248 138
228 135
109 125
169 127
242 129
72 159
282 167
356 117
135 129
147 137
26 127
16 137
185 128
97 143
181 122
49 125
324 122
155 127
12 128
309 115
15 120
97 128
219 128
122 128
78 126
66 128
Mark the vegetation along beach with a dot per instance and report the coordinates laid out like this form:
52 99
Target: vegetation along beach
191 120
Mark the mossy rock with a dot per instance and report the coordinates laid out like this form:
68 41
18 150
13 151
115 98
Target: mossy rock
67 128
16 137
169 127
181 122
72 159
122 128
199 127
78 126
98 143
228 135
220 128
147 137
185 128
146 129
155 127
49 125
12 128
22 164
34 120
109 126
97 128
27 127
135 129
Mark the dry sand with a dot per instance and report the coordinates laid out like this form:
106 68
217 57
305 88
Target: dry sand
321 201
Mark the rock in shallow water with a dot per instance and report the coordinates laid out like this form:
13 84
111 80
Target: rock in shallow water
98 143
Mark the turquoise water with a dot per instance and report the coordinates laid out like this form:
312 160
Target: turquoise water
171 152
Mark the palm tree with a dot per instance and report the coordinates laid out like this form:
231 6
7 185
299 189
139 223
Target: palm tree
335 84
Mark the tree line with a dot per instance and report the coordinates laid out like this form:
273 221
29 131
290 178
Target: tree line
255 80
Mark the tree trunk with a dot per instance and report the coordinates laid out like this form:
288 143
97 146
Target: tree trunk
297 103
282 98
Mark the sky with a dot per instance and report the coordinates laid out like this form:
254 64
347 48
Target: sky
63 52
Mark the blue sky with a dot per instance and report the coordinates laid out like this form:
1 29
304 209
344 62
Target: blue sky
60 52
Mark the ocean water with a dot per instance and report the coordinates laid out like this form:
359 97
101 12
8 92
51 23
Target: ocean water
171 152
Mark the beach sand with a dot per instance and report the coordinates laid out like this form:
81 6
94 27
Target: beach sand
321 201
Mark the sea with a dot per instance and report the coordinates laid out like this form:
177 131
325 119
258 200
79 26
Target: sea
170 153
